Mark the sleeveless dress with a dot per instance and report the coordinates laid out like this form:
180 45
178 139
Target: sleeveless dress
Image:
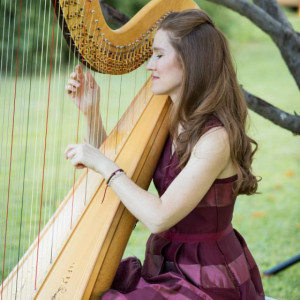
201 257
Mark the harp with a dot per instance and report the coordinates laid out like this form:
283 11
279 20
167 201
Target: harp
77 243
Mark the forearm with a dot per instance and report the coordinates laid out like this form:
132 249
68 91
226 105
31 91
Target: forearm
146 207
95 129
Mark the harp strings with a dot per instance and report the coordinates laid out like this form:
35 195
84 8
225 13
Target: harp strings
59 120
87 7
22 217
16 162
26 114
36 186
45 147
11 152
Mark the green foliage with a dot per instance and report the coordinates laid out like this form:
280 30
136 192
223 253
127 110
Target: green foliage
34 33
127 7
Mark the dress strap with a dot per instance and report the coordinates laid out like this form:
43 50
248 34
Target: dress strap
211 123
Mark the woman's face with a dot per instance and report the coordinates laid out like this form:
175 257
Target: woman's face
167 73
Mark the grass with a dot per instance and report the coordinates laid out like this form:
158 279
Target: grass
270 221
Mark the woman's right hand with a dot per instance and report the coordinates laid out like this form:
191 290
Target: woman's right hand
84 91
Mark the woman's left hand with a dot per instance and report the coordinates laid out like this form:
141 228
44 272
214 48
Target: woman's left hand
87 156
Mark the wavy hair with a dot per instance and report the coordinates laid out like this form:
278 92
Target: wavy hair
210 88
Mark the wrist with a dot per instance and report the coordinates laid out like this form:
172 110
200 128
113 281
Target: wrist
107 168
114 176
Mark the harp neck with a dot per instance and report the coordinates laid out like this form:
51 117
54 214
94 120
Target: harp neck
113 51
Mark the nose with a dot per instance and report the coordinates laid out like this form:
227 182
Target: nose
151 64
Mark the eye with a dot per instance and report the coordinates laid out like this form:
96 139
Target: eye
159 56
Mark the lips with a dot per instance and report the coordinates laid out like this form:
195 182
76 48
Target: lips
155 77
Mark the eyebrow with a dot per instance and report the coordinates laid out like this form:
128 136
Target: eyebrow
158 49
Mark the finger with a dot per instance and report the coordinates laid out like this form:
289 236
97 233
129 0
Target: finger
71 154
74 83
73 75
70 147
76 160
70 89
80 166
90 79
78 68
79 71
67 154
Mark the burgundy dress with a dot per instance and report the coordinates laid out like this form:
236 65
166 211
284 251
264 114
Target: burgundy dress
201 257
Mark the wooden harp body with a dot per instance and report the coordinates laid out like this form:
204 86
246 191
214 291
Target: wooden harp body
85 263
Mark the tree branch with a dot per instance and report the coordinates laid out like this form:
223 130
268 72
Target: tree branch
113 16
254 13
286 39
272 113
273 9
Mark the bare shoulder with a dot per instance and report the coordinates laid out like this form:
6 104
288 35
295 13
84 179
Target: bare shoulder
215 142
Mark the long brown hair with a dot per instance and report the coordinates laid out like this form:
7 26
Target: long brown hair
210 88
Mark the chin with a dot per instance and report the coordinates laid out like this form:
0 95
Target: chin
157 91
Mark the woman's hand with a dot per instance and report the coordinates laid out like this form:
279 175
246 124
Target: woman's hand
84 91
87 156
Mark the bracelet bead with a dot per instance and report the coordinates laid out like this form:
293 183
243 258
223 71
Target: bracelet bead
115 177
111 178
115 173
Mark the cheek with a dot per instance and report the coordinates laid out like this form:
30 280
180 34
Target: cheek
176 75
180 75
174 68
168 69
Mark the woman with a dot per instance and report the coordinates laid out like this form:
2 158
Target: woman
193 251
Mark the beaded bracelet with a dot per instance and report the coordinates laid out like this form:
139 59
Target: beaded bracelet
114 175
111 178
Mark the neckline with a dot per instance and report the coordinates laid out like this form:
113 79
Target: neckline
226 179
